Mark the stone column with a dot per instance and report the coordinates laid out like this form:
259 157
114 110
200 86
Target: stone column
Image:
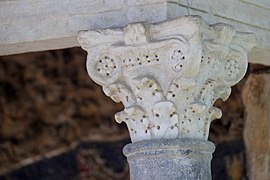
256 97
168 76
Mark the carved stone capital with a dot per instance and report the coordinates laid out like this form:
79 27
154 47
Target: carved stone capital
167 75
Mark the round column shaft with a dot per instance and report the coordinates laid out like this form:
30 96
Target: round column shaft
185 159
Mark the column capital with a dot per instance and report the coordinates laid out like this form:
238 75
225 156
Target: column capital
167 75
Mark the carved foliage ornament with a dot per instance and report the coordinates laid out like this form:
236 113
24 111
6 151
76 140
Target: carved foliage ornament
167 75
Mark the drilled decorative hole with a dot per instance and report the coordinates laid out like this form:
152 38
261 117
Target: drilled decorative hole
106 66
232 68
177 60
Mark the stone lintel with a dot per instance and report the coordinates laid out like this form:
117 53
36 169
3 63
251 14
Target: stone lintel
28 26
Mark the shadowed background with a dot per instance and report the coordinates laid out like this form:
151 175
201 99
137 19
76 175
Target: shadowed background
56 123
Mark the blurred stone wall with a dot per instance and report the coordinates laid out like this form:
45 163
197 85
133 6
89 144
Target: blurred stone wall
51 112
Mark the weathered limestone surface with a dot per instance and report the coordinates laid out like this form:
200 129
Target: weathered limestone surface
256 97
27 25
167 75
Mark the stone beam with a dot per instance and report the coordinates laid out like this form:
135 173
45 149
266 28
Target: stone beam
168 76
28 26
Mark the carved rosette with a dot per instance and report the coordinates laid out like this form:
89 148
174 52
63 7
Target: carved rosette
167 75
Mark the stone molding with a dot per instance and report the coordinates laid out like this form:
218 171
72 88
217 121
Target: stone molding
167 75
